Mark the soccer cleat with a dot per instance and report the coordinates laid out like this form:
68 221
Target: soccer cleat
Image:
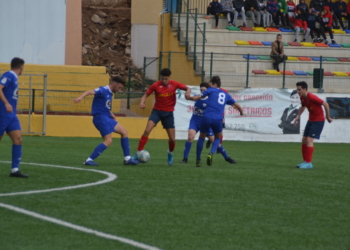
300 164
18 174
170 158
90 163
184 160
131 161
306 165
207 145
230 160
135 156
198 163
209 159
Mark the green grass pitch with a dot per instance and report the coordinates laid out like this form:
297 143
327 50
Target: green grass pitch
263 202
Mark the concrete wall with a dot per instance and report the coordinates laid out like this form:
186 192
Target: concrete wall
73 32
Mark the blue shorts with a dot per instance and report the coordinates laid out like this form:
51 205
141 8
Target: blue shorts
166 117
9 124
195 125
313 129
210 123
105 124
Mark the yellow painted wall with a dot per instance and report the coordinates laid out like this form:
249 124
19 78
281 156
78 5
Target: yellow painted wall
145 11
82 126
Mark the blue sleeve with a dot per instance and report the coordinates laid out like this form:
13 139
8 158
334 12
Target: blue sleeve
205 93
98 92
5 80
230 100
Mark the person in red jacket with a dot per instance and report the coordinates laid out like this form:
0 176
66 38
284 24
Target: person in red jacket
326 23
292 10
300 23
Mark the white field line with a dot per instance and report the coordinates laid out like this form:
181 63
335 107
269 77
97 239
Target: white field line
110 178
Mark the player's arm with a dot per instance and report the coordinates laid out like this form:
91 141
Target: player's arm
301 110
326 108
238 107
143 101
85 94
188 92
8 106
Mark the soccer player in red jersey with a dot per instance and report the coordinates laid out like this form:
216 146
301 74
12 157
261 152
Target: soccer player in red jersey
165 93
315 123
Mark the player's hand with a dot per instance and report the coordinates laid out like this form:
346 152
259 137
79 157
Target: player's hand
9 108
329 119
142 106
296 121
76 100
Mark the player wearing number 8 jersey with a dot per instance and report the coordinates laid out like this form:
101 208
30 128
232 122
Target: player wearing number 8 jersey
315 123
212 117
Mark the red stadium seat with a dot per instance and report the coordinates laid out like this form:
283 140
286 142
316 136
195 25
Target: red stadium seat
321 45
254 43
348 73
343 59
246 29
327 73
288 72
302 58
294 44
259 71
272 30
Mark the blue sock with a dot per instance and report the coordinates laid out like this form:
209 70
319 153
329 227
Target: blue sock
223 152
16 155
98 150
125 145
187 150
200 144
215 145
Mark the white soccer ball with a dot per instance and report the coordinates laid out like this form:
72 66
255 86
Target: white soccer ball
143 156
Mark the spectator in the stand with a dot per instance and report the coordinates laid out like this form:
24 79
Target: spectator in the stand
340 12
292 9
252 9
330 4
303 7
326 23
238 8
215 9
313 22
272 8
300 23
265 15
317 5
277 52
283 10
227 9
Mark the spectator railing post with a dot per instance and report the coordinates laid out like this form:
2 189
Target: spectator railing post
160 63
33 100
195 40
144 74
320 89
171 13
169 59
247 75
128 98
178 21
187 20
284 72
211 64
203 51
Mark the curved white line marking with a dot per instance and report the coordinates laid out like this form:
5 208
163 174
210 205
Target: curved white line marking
110 178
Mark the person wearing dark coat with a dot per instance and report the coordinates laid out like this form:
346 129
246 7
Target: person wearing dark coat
214 8
289 115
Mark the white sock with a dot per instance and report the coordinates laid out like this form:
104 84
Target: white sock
89 159
169 152
13 170
126 158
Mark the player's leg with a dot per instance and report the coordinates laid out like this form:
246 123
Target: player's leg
200 144
168 123
216 126
124 140
188 144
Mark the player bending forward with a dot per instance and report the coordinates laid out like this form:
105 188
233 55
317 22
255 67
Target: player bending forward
104 120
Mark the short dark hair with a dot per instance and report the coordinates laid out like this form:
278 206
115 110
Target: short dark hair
279 35
204 84
294 92
216 80
165 72
16 63
118 79
302 84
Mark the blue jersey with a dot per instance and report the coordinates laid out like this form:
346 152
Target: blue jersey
102 102
10 90
217 99
198 109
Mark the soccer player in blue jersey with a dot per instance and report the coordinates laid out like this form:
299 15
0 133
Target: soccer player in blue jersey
212 116
194 127
104 120
8 118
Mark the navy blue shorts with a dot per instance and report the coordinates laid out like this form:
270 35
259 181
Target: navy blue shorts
195 125
105 124
9 124
166 117
313 129
210 123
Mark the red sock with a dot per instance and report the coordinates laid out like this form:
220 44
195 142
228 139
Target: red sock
171 146
303 150
308 155
142 142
